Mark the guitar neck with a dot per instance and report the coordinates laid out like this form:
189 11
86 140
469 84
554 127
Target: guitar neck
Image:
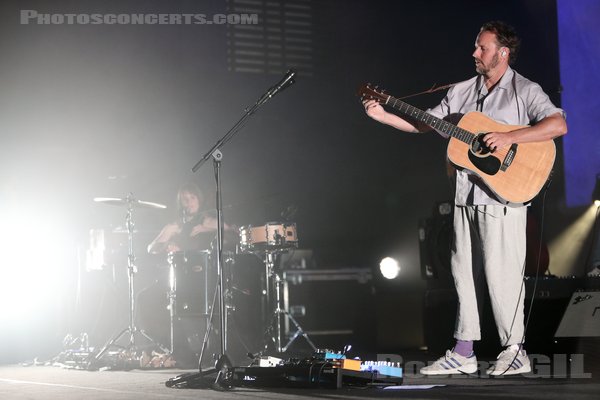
436 123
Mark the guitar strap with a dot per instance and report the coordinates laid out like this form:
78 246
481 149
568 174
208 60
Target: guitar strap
480 97
514 85
479 102
431 90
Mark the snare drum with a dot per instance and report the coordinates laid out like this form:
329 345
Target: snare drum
272 236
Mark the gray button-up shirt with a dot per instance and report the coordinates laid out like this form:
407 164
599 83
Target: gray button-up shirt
514 101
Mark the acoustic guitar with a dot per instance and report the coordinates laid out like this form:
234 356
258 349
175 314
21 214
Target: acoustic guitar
515 174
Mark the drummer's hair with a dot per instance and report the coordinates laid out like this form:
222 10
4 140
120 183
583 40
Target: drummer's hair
188 188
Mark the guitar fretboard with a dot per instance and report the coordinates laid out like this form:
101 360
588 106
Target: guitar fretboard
434 122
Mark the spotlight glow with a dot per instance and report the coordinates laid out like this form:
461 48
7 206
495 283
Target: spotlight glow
34 265
566 247
389 267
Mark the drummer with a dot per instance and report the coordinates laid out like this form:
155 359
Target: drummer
195 229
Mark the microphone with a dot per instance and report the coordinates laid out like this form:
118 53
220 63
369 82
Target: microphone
287 80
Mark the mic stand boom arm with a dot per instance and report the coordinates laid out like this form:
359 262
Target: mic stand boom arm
287 80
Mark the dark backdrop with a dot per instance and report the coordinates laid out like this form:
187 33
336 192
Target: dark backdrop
105 110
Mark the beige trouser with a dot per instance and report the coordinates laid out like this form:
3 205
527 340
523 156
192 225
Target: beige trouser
489 240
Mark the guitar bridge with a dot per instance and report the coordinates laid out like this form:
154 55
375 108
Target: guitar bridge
510 156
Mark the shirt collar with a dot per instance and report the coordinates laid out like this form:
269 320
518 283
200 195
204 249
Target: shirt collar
505 81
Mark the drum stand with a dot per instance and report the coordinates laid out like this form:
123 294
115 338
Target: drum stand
131 330
274 329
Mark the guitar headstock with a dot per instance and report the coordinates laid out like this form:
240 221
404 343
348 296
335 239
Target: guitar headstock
370 92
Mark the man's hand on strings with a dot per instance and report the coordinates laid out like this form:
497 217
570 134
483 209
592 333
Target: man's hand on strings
498 140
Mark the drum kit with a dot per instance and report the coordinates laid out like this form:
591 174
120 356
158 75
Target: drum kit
265 242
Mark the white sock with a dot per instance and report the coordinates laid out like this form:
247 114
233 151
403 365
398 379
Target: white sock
515 347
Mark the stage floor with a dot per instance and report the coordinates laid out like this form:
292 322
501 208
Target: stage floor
46 382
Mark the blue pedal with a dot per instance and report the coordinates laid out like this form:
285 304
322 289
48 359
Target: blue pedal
382 368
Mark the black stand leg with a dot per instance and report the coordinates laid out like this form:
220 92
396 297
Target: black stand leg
132 330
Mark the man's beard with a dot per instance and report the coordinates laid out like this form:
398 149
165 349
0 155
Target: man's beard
482 70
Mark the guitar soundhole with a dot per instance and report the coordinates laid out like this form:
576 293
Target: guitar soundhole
482 158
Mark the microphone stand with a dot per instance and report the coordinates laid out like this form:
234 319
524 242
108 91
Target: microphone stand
223 363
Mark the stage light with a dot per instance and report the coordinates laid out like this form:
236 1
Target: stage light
389 267
34 265
596 192
568 245
444 208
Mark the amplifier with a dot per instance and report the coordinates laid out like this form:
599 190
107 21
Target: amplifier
335 307
582 316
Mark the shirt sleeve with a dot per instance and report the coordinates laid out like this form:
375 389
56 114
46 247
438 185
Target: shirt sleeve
442 109
539 105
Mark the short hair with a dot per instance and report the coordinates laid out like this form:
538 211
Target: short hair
506 36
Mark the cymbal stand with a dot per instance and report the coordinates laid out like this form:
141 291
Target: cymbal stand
131 330
172 294
280 310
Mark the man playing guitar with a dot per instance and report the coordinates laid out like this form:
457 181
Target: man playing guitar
489 230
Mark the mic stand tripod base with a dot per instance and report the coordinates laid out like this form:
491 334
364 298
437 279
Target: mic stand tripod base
199 380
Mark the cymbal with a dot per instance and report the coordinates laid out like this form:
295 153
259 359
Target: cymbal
114 201
122 229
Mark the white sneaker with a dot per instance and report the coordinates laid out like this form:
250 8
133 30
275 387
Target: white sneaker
511 361
452 363
595 271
